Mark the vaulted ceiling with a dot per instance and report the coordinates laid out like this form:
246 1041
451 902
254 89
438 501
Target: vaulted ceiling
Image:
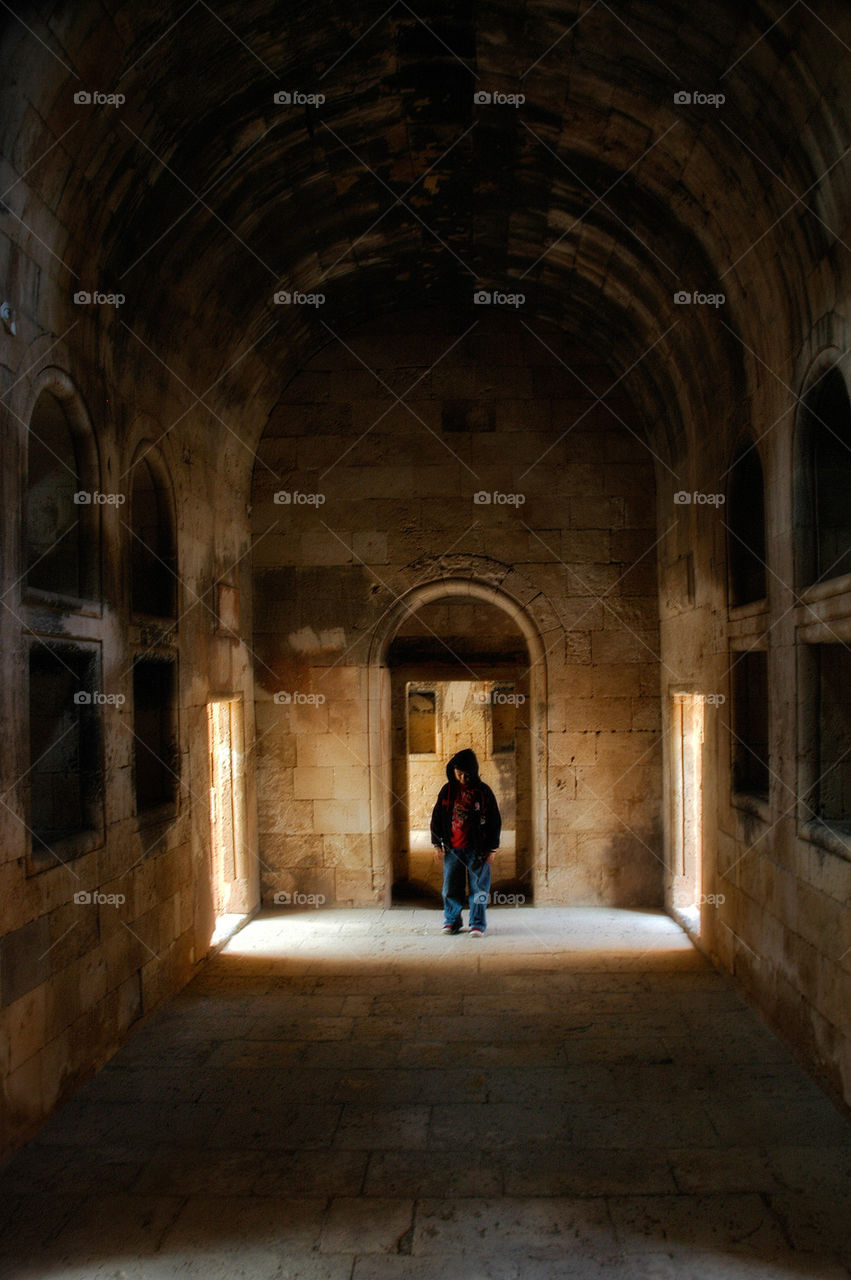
385 184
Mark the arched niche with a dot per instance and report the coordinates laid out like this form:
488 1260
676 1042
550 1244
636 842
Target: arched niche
152 552
823 456
746 576
61 495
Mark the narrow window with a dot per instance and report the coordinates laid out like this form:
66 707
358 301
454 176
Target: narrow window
750 723
155 727
827 441
422 722
746 529
152 544
64 775
52 534
832 792
503 702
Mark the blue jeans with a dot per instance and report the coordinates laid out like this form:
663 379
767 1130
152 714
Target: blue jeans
459 868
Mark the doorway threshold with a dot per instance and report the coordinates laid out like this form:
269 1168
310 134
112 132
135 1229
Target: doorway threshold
228 925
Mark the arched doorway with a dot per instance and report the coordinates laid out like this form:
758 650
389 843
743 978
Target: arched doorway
464 641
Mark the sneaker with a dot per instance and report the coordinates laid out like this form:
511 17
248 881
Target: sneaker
476 932
452 928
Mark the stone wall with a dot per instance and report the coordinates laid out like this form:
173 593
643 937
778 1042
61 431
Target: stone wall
499 467
98 928
776 886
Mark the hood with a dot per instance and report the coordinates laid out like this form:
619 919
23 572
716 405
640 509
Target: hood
465 760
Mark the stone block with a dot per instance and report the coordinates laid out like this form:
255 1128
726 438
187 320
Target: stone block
646 715
24 960
577 883
591 579
615 681
573 748
349 852
370 547
338 817
351 783
321 547
574 817
313 783
585 546
639 579
631 545
600 714
307 717
571 681
597 512
346 717
609 647
63 999
24 1026
328 749
280 852
284 817
577 646
340 683
299 888
355 887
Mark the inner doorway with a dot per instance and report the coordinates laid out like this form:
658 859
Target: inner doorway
433 719
457 629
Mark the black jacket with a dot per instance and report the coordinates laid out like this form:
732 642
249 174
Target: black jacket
486 833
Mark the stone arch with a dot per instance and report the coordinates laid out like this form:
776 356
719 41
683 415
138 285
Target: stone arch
58 385
823 419
475 588
746 523
152 534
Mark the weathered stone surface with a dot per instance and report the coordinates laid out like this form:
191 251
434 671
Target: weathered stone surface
299 357
373 1109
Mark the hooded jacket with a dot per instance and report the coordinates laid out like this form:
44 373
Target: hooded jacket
486 832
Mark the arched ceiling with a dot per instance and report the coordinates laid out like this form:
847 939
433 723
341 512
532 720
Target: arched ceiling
598 197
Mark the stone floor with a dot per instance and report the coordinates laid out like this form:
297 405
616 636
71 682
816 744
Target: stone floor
348 1095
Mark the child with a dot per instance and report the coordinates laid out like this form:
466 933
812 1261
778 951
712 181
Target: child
465 830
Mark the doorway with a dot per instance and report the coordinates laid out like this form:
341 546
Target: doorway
446 629
687 711
227 813
433 718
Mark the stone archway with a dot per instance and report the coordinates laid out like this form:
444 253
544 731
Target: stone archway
379 731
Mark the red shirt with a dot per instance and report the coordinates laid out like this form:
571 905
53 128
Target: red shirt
465 816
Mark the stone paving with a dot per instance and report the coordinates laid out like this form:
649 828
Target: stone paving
348 1095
